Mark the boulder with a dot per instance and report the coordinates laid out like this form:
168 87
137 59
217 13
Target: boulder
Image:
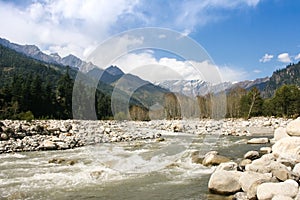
71 162
296 169
252 155
62 145
161 139
177 127
240 196
288 188
267 123
214 159
265 164
4 136
225 182
298 196
280 133
281 174
196 158
281 197
288 149
293 128
57 160
107 130
228 166
258 141
250 180
244 162
48 145
265 150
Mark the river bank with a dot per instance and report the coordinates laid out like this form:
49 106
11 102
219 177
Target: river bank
273 174
36 135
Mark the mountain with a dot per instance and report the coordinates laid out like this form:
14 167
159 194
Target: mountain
193 88
115 71
75 62
259 83
31 88
102 75
29 50
33 51
145 92
27 61
267 86
285 76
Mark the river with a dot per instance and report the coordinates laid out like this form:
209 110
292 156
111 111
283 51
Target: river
132 170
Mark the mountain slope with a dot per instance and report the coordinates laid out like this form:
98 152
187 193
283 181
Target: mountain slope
33 51
288 75
29 50
17 65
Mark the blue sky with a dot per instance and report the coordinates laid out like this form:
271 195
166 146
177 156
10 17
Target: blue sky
247 39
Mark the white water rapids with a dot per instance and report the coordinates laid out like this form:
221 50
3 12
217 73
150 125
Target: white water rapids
132 170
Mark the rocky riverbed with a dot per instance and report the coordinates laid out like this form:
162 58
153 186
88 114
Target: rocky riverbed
18 136
157 159
272 174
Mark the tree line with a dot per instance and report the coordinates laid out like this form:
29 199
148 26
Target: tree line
33 97
247 104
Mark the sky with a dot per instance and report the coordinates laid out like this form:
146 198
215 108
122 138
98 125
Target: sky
245 39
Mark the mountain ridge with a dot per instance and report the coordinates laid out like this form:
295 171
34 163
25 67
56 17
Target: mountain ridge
191 88
54 58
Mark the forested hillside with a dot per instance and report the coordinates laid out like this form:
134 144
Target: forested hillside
32 89
286 76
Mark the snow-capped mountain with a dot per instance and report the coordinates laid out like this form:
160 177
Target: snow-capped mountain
195 88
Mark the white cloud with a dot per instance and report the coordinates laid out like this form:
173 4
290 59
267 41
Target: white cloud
146 66
194 13
284 57
266 58
76 26
257 71
62 25
232 74
297 57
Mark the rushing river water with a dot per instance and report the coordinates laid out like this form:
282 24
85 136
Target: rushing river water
135 170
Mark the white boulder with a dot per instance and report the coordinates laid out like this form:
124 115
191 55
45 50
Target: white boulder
280 133
281 197
251 155
258 141
250 180
225 182
228 166
214 159
288 188
293 128
288 148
